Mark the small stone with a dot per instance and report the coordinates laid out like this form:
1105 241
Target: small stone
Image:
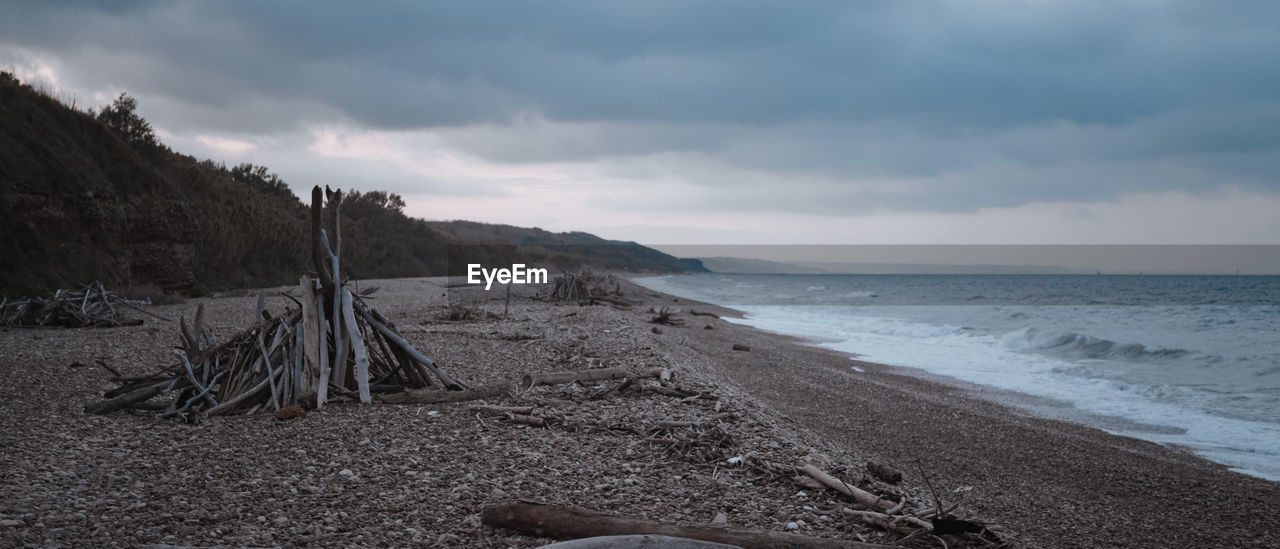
793 526
802 494
10 523
720 519
448 540
345 473
290 412
655 330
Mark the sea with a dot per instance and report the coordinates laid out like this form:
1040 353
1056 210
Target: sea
1191 361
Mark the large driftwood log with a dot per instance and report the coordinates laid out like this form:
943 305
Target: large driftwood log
573 523
140 395
529 381
440 397
861 496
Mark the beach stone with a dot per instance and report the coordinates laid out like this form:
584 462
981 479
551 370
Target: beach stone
793 526
720 519
741 347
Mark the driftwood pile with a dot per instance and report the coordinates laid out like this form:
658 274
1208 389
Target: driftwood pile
332 347
92 305
871 501
586 285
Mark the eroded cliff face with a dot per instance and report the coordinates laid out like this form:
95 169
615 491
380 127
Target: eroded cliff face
161 236
141 240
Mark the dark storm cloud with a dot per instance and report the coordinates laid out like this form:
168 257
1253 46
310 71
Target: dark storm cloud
994 102
944 65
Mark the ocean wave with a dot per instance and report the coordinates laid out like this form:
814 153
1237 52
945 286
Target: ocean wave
862 293
1085 347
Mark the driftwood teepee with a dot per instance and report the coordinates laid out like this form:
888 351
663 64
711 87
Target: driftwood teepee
333 347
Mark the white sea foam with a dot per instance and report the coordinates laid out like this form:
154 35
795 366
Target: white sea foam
1252 447
1177 360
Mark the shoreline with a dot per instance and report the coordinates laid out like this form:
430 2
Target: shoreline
418 474
1047 404
1081 480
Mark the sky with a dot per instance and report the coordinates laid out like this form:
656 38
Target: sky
717 122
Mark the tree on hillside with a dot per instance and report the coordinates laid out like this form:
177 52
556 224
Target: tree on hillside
259 178
121 118
358 204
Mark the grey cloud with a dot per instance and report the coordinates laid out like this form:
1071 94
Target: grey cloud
967 104
441 63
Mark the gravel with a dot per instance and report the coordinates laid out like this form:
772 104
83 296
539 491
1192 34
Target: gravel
382 474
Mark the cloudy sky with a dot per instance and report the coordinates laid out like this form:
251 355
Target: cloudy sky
712 122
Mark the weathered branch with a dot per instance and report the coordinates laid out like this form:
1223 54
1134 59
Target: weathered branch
861 496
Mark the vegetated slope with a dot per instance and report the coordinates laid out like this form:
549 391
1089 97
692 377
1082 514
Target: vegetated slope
90 196
563 251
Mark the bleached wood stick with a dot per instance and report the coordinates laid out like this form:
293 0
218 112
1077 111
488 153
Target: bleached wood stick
310 336
339 366
861 496
527 420
357 346
191 375
231 402
322 380
266 357
886 520
395 338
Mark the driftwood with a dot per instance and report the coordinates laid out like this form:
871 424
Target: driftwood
441 397
527 420
861 496
586 286
885 520
573 523
91 306
672 424
331 348
529 381
502 410
666 316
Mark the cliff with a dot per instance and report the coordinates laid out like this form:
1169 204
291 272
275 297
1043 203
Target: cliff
81 201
